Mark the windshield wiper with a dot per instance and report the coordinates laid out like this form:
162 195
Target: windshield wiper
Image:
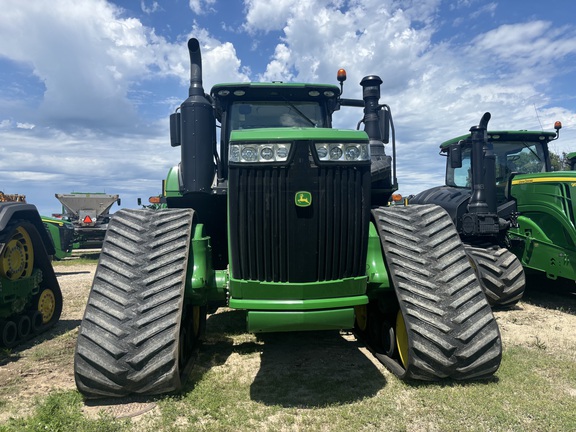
300 113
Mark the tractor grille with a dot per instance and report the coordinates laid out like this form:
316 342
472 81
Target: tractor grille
274 240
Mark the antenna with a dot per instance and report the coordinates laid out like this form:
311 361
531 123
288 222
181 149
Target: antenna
538 117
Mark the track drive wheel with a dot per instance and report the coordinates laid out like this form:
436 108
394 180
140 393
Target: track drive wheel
500 274
440 321
17 258
138 334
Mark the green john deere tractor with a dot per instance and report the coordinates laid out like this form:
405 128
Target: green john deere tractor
61 233
571 161
30 297
285 218
506 202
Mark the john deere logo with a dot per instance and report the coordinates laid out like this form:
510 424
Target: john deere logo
303 199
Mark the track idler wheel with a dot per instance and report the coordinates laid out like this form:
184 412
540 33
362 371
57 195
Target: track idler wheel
192 331
402 339
47 305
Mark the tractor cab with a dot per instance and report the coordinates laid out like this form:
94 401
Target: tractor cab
515 152
248 106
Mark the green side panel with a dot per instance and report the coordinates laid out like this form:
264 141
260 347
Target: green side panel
292 134
378 280
54 227
546 222
240 289
267 321
203 283
172 185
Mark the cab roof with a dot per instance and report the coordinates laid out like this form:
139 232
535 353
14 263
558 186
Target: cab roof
495 136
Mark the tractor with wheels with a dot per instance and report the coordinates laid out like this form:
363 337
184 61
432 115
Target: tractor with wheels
285 217
30 297
525 219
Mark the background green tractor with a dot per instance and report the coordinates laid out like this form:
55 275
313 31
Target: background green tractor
527 208
30 297
571 161
61 233
284 217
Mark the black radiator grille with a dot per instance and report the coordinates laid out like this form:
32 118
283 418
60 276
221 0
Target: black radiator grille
274 240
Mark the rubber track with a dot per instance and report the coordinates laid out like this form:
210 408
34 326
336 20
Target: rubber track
451 330
500 273
128 339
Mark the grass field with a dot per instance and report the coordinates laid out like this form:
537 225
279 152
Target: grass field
317 381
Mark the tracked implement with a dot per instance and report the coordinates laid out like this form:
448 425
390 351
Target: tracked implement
30 297
286 218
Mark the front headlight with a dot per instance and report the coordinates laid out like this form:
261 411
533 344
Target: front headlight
342 152
257 153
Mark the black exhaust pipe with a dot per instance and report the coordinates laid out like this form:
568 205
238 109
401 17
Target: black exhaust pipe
194 128
478 201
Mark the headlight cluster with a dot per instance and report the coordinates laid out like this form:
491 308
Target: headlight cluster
253 153
339 152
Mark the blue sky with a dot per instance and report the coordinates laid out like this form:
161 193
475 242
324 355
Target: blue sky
86 86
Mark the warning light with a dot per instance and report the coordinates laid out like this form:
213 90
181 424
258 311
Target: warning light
341 76
87 220
558 125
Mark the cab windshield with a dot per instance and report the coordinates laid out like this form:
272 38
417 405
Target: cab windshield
267 114
523 157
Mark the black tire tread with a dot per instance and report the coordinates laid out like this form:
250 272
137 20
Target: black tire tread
128 341
500 273
451 330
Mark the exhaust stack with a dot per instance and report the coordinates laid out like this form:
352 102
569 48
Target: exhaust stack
194 129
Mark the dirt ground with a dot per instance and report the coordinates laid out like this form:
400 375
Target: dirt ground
45 364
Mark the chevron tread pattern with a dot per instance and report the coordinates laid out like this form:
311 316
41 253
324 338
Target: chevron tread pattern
129 336
451 330
500 273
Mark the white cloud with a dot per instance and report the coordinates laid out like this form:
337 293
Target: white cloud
200 7
436 91
98 70
25 125
154 7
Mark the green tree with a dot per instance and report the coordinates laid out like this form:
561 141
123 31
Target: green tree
557 161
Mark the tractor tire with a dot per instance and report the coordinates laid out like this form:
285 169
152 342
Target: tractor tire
500 274
443 325
130 339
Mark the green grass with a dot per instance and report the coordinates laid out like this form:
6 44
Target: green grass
61 412
245 383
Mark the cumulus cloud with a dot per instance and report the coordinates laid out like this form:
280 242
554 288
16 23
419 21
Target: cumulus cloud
200 7
98 84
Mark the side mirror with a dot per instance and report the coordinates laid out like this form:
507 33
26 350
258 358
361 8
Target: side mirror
384 125
175 129
455 151
139 201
